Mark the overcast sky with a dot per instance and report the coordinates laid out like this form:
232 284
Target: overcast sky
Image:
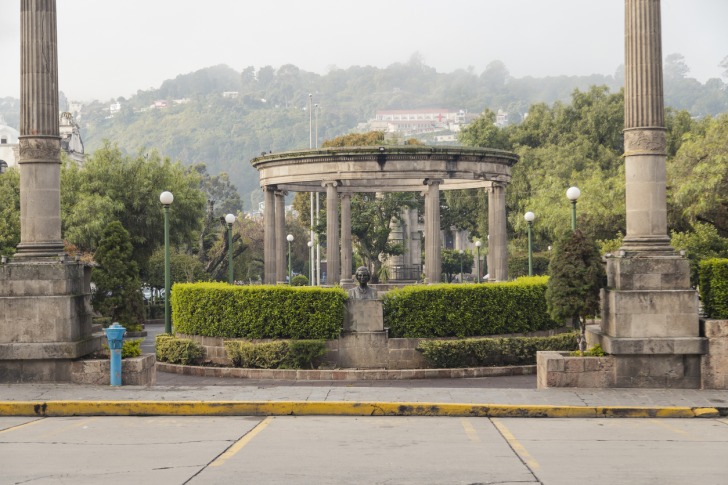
113 48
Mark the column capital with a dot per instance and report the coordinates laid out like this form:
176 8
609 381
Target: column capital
281 193
326 183
270 188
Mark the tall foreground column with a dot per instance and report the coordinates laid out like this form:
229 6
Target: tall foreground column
497 233
650 313
333 271
269 236
346 239
433 257
45 307
40 143
280 237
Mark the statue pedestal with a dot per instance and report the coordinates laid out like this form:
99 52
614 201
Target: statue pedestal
45 320
363 343
650 322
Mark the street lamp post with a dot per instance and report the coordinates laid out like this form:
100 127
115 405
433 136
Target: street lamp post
310 264
166 199
289 238
477 265
229 220
572 194
530 216
461 265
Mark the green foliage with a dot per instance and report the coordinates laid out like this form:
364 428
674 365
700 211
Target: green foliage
299 280
112 186
178 350
488 352
453 261
221 310
131 348
518 265
703 242
184 268
595 351
714 287
610 245
576 276
118 287
445 310
9 211
288 354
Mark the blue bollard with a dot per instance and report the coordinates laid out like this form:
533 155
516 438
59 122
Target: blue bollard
115 336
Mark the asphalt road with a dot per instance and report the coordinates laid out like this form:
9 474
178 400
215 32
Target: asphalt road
367 450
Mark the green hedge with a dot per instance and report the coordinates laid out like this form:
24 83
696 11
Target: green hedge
222 310
178 350
465 310
518 265
282 354
488 352
714 287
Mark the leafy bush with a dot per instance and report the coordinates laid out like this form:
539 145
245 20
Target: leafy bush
518 265
702 243
221 310
714 287
292 354
178 350
492 351
299 280
468 310
129 349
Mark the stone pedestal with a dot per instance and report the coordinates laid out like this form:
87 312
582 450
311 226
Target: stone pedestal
363 343
45 320
650 322
714 366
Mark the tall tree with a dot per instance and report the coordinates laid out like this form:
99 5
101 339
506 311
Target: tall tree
9 211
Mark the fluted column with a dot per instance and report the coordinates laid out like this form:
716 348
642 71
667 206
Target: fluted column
644 129
40 146
269 236
280 240
433 258
346 238
497 234
333 272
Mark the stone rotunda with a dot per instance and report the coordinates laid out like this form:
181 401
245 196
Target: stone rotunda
340 172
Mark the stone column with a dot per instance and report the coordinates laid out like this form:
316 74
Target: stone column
269 236
40 143
333 272
498 237
650 313
645 148
45 299
433 257
346 238
280 241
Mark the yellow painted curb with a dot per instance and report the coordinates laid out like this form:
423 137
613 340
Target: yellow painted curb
334 408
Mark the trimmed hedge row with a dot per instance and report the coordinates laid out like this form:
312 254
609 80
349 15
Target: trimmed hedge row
714 287
487 352
282 354
222 310
468 310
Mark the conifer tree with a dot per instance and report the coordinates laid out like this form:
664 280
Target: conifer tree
118 286
576 275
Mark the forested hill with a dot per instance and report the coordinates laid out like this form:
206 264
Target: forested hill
224 118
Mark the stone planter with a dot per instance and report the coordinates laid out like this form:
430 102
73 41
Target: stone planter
559 369
137 371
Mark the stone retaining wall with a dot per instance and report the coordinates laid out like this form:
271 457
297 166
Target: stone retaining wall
714 364
559 369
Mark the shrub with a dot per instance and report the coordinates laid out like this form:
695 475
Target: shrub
178 350
714 287
221 310
129 349
518 265
487 352
299 280
467 310
293 354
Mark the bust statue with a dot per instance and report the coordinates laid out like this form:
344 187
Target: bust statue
363 291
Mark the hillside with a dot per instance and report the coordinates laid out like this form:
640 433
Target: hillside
224 118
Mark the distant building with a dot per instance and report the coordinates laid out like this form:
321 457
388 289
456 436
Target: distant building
71 142
412 122
8 146
230 94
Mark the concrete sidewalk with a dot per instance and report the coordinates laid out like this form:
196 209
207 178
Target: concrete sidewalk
490 396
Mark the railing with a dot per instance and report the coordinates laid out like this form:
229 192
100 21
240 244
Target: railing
405 272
